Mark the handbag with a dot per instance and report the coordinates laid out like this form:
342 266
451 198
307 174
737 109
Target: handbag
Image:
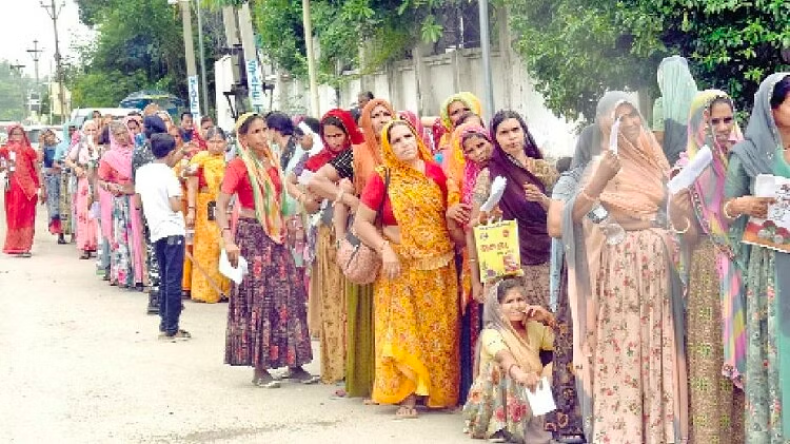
359 263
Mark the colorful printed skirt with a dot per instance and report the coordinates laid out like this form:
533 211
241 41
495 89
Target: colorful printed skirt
267 316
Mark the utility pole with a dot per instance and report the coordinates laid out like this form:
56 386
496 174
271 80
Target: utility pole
485 46
36 54
189 53
18 68
311 71
204 82
54 12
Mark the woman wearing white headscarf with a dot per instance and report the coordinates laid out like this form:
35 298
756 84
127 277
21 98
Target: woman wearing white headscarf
83 160
671 110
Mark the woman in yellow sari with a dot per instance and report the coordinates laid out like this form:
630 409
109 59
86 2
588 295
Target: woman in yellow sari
416 294
208 285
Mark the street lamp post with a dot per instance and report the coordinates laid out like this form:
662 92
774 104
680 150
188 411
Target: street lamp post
54 12
36 54
18 68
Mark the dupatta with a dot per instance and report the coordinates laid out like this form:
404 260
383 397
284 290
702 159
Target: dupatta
353 137
367 156
25 173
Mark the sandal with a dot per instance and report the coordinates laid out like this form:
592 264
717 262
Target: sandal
264 379
406 412
301 375
369 401
85 255
25 255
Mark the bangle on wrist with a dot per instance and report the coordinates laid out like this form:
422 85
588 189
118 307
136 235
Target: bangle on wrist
684 231
727 213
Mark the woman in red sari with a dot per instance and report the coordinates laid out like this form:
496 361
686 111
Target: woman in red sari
21 188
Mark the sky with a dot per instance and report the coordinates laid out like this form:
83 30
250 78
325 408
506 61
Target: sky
28 21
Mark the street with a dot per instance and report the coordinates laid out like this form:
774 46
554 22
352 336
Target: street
80 362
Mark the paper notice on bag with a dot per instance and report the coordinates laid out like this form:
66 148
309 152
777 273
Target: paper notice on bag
686 177
541 401
235 274
497 190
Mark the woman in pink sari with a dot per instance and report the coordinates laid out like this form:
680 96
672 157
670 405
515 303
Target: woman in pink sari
82 159
115 173
21 187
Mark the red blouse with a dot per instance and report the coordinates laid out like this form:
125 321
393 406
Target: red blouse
374 192
237 181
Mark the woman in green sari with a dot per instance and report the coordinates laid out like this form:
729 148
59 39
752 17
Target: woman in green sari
765 150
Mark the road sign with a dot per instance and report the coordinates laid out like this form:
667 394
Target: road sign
194 96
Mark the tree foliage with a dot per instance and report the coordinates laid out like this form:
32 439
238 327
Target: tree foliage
13 90
577 49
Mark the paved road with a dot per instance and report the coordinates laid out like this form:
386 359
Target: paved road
80 363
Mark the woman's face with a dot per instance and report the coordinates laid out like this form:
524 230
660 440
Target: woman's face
17 135
379 117
173 131
721 121
510 136
514 304
134 127
456 109
122 135
782 114
478 149
256 138
630 121
403 142
217 144
335 137
90 129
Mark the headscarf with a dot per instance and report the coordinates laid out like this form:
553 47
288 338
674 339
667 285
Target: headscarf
84 151
153 125
638 189
534 240
419 206
678 89
267 199
353 137
26 156
494 317
707 195
468 99
368 155
762 139
471 169
412 118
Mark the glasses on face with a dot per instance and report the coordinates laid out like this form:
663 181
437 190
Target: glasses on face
720 120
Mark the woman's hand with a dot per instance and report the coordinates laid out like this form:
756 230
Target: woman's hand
190 219
527 379
608 167
79 172
751 206
233 252
478 291
488 217
540 314
533 194
390 262
459 213
42 196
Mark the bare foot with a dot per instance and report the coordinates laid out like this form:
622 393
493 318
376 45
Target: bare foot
406 412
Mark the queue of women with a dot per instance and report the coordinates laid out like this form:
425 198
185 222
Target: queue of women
664 327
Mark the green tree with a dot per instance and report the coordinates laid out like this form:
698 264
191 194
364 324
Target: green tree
13 92
577 49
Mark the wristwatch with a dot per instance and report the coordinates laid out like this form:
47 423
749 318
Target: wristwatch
598 214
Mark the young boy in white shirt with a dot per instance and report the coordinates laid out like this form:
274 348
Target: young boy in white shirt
159 190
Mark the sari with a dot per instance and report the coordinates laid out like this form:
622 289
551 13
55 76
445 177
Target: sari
52 184
416 320
626 303
126 228
85 155
360 330
208 284
452 160
20 195
328 283
715 304
767 374
534 240
497 404
67 181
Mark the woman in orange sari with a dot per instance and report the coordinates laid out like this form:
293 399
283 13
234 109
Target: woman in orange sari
416 293
20 161
208 285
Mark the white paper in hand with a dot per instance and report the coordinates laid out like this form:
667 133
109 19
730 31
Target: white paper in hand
613 136
686 177
235 274
305 177
497 190
765 185
542 401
